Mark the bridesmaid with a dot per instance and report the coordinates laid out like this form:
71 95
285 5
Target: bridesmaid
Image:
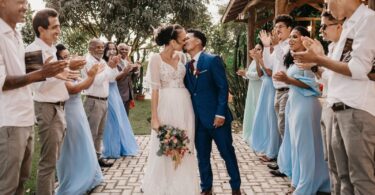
309 170
265 138
252 95
118 137
78 170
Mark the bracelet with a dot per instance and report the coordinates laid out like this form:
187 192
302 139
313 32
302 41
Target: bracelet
314 69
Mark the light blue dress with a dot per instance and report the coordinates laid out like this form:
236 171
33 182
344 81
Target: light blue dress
252 95
310 171
78 170
118 136
265 137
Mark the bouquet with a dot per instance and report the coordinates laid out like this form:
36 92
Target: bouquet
173 143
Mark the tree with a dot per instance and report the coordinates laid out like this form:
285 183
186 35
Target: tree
27 30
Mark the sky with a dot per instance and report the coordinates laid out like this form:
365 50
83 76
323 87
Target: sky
212 7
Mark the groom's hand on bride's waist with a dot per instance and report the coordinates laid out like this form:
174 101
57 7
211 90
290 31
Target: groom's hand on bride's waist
219 121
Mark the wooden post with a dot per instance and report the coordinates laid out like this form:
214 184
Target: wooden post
281 7
250 32
371 4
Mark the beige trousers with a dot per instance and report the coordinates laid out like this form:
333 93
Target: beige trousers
281 97
353 144
52 126
16 150
96 111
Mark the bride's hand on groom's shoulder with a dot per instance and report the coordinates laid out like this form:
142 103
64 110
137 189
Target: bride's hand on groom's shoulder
155 124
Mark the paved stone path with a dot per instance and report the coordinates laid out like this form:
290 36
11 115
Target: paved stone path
125 176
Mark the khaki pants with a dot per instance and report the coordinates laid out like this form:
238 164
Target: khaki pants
52 126
281 97
16 150
96 111
353 143
326 124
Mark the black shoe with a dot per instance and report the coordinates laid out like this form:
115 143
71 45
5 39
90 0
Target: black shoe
103 163
277 173
273 166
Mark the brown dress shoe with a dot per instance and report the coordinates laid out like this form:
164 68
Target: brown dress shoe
236 192
207 192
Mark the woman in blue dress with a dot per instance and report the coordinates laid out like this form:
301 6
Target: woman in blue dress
309 170
78 170
265 138
118 136
251 96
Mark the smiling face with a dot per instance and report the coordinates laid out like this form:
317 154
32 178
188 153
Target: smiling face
96 49
178 44
330 30
13 11
282 30
295 41
52 33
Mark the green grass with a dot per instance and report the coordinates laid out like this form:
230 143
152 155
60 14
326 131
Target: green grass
138 119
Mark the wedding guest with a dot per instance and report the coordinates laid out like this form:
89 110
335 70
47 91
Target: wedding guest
309 171
351 95
252 95
265 138
74 176
16 103
283 25
49 98
96 105
118 138
125 78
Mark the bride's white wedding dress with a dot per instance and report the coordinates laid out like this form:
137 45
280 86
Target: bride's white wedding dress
175 109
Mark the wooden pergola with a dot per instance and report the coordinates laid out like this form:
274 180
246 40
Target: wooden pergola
251 12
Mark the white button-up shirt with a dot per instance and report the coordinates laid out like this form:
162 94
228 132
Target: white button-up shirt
356 91
275 61
52 90
100 86
16 106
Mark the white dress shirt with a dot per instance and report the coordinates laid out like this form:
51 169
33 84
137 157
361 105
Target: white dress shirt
100 86
16 106
275 61
52 90
356 91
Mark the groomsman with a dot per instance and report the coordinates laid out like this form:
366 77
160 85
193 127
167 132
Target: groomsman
96 105
16 104
49 97
351 95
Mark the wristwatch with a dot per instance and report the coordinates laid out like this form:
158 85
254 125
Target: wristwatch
314 69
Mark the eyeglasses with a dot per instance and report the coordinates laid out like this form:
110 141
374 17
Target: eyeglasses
324 26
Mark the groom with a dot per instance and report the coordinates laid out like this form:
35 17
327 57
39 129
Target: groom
206 81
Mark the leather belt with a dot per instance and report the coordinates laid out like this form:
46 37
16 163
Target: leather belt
98 98
340 106
283 89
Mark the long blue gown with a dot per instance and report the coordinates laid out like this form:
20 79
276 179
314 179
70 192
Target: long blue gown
118 136
251 100
265 137
309 170
78 170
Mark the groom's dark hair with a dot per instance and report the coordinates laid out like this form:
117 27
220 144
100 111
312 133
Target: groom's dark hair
199 34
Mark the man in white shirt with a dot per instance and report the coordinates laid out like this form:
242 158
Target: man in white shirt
16 104
96 105
49 98
283 25
351 95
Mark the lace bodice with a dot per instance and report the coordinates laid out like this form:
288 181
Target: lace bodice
171 78
163 75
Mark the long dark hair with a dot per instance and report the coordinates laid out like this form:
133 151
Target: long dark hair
106 47
288 58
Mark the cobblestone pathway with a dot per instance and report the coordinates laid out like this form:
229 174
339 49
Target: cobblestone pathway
125 176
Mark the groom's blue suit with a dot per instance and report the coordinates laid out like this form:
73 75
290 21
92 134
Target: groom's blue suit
209 94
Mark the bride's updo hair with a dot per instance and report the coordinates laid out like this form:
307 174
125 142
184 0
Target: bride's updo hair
165 34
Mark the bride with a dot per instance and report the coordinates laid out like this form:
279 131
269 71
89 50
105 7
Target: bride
170 105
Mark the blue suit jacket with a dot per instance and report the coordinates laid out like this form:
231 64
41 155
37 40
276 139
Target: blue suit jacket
209 90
